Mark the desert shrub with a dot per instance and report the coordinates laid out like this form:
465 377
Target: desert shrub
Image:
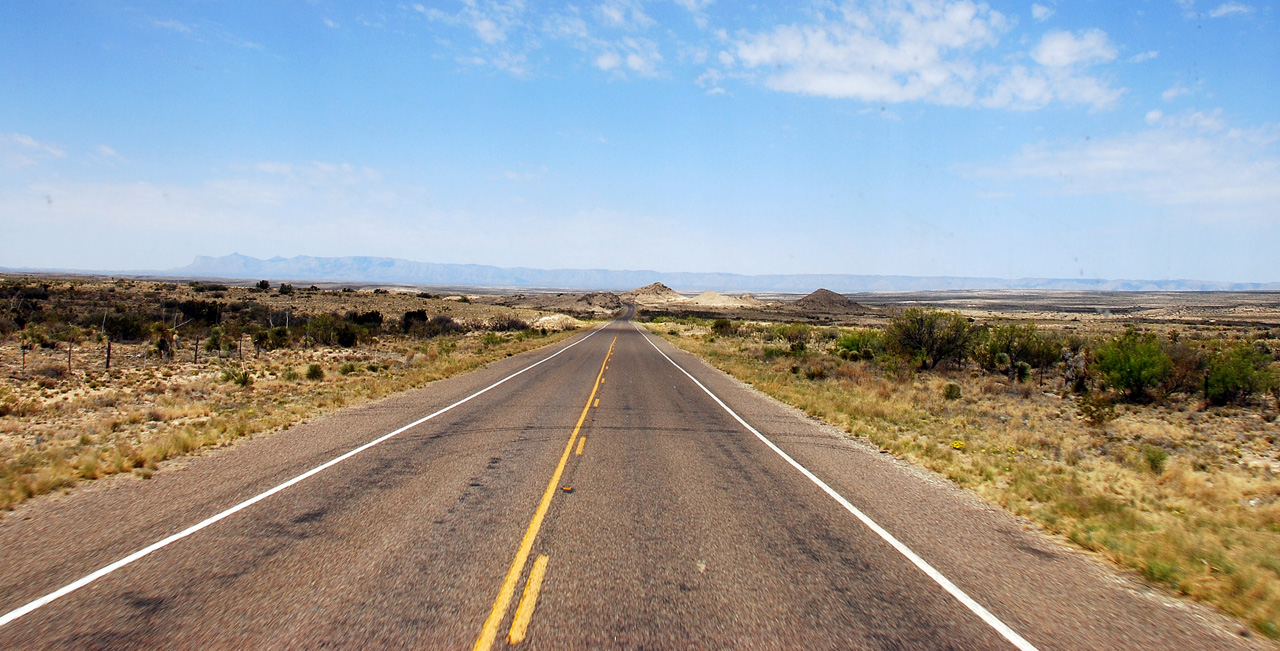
418 324
491 339
1238 373
860 344
346 335
347 368
1003 347
314 372
263 285
205 313
1021 371
278 337
1133 363
290 374
929 337
791 332
413 319
1155 458
200 287
506 323
53 371
1187 366
1097 409
951 391
285 289
771 352
371 319
723 327
238 376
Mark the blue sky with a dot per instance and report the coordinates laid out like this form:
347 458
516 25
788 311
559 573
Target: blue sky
1054 139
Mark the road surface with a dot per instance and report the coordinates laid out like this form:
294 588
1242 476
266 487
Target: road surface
605 492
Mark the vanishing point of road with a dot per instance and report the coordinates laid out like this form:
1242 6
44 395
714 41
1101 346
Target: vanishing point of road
609 491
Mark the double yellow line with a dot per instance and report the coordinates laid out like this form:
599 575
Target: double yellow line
490 631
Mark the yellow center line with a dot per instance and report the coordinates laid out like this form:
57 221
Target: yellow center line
490 631
581 442
597 403
524 611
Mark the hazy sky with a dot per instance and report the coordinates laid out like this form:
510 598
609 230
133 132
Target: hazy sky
1101 139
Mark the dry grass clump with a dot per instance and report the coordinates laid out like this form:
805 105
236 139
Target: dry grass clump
1184 494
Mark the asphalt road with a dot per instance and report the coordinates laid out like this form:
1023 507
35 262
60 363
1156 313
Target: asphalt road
676 526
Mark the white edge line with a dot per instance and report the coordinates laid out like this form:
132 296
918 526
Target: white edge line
80 583
991 620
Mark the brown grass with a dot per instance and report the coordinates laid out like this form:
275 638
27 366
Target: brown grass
1188 498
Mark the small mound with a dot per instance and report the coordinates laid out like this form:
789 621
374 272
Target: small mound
557 322
603 300
654 293
748 299
716 299
828 302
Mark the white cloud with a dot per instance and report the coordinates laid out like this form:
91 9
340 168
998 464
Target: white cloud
623 14
1193 159
19 150
628 55
1230 9
608 60
726 59
1040 12
888 52
1144 56
1173 93
926 51
1062 49
172 25
493 21
330 23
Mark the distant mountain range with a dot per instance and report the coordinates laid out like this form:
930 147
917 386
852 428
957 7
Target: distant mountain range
355 269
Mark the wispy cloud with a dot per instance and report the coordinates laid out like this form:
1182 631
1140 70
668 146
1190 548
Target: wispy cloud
1144 56
613 39
172 25
1192 158
18 150
1230 9
1041 13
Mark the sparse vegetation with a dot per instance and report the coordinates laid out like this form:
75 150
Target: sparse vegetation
198 365
1099 438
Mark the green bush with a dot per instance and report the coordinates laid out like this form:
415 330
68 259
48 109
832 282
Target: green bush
1004 347
290 374
791 332
951 391
929 337
1237 374
1133 363
238 376
347 368
723 327
860 344
314 372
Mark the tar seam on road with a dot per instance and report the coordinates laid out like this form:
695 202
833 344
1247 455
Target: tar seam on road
489 632
991 620
145 551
